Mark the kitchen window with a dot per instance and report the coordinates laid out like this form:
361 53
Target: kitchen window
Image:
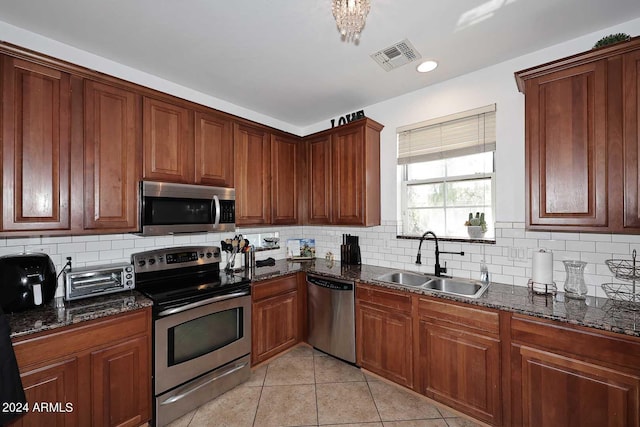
446 171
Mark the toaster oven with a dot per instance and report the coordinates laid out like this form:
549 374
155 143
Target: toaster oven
97 280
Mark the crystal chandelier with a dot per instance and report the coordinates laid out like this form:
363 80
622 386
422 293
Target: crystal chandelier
350 16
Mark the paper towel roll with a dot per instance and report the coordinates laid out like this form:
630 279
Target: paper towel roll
542 267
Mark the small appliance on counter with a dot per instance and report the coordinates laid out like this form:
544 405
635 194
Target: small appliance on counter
27 280
350 250
97 280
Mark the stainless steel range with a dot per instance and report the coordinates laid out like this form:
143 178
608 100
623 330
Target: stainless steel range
202 326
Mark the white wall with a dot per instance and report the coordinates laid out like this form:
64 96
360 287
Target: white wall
495 84
38 43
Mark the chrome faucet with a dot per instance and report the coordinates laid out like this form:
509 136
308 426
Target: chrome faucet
437 269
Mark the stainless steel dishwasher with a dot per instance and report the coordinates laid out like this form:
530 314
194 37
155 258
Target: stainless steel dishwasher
331 309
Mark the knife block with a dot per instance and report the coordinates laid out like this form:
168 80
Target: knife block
350 254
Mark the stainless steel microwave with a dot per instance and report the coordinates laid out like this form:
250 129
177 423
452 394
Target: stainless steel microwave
168 208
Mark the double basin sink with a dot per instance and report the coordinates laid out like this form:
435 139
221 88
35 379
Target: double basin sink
446 285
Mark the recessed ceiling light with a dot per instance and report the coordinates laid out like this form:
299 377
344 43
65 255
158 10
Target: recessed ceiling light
427 66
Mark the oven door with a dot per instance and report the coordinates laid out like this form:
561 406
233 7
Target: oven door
199 337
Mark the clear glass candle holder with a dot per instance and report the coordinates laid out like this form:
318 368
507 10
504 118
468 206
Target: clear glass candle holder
574 285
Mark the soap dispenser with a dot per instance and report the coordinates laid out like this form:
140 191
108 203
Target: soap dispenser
484 272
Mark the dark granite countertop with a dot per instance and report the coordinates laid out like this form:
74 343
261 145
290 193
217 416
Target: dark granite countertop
49 317
599 313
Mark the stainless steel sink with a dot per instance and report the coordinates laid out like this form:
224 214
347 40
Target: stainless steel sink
404 278
447 285
463 287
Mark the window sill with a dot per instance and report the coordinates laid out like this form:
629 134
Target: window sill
452 239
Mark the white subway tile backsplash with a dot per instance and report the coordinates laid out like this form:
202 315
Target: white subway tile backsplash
622 248
98 245
626 238
379 246
71 248
90 238
565 236
581 246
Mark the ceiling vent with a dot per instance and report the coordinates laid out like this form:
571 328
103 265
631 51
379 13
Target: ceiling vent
397 55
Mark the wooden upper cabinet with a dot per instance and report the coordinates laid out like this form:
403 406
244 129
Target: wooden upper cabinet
167 141
567 147
111 160
252 146
213 149
286 177
581 141
350 168
319 180
36 149
631 138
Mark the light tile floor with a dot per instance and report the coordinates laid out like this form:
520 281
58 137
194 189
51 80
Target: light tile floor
305 387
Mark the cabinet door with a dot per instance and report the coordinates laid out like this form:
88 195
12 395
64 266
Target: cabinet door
55 384
285 175
120 395
168 142
631 138
319 175
348 188
461 370
213 150
252 168
562 391
36 122
111 122
274 325
566 148
384 343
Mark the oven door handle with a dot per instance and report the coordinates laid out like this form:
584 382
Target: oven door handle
201 303
203 382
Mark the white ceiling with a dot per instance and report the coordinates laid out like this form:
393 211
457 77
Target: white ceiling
285 58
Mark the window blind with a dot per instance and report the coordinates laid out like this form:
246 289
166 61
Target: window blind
460 134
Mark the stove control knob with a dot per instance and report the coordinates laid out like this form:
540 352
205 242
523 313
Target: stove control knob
142 263
152 261
201 255
209 254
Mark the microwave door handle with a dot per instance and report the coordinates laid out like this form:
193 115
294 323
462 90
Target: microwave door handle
216 206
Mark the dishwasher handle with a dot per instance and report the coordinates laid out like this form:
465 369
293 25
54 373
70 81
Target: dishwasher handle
333 284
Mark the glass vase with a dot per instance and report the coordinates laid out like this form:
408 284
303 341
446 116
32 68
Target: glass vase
574 285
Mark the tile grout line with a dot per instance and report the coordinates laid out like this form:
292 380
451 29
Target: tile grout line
255 415
315 386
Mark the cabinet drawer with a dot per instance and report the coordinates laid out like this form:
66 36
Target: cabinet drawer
384 297
75 339
578 343
459 315
272 287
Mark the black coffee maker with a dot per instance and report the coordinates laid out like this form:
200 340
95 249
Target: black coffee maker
26 281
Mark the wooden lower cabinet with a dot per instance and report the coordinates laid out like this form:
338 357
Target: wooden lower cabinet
117 395
97 373
458 362
53 383
570 376
276 312
384 333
